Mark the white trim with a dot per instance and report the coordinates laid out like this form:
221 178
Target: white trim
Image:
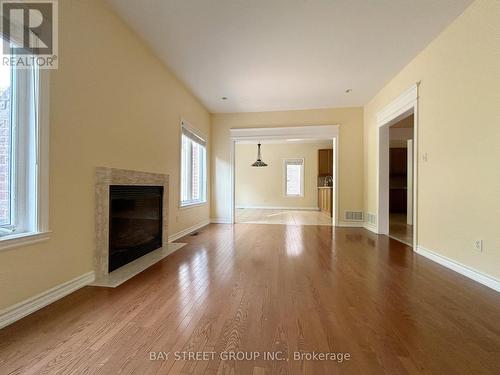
187 231
401 107
194 130
323 142
192 205
336 177
30 154
296 132
351 224
232 180
404 102
22 239
370 227
220 220
291 132
295 208
43 152
409 180
200 134
466 271
32 304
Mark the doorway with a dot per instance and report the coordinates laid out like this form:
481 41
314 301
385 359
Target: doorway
401 183
292 184
298 134
401 180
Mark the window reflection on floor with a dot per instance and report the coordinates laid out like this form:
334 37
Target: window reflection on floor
284 217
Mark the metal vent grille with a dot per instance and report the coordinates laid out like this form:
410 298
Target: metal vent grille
371 218
353 215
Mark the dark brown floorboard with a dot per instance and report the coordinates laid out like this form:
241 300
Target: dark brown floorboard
270 288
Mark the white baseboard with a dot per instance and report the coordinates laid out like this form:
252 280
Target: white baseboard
32 304
350 224
371 227
187 231
466 271
220 220
279 208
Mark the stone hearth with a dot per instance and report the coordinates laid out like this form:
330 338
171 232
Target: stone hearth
112 176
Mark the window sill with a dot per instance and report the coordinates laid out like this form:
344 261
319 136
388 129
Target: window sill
192 205
22 239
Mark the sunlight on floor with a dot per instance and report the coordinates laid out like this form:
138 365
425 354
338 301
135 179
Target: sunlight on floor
284 217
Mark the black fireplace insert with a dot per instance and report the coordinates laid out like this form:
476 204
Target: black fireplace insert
135 222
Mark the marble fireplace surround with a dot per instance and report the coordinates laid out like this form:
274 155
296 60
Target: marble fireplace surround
104 177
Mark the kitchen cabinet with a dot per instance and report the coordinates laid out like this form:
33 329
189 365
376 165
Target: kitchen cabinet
325 162
325 197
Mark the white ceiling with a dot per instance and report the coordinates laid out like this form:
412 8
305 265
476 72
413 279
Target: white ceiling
267 55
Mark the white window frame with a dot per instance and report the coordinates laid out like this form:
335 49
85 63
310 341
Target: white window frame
35 220
285 162
204 185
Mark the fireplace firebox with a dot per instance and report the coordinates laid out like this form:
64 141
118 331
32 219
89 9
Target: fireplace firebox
135 222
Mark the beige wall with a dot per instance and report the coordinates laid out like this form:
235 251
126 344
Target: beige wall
112 104
459 129
264 187
350 121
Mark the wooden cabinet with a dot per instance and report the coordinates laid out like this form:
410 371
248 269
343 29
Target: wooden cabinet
325 162
398 162
398 180
325 200
325 168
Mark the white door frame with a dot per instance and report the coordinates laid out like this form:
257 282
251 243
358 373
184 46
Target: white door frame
401 107
310 132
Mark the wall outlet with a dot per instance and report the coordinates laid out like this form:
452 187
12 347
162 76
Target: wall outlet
478 245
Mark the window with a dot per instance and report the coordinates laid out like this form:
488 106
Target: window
193 168
22 189
294 177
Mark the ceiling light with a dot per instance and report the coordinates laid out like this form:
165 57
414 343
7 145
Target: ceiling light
259 162
347 91
224 98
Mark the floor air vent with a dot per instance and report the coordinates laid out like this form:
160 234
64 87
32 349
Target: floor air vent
354 215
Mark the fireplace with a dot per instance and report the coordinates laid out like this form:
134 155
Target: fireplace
131 219
135 222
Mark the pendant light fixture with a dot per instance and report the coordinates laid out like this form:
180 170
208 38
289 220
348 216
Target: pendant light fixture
259 162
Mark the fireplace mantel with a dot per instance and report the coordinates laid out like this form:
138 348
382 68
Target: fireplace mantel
112 176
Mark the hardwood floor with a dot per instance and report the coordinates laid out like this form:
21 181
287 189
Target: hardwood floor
285 217
270 288
399 230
